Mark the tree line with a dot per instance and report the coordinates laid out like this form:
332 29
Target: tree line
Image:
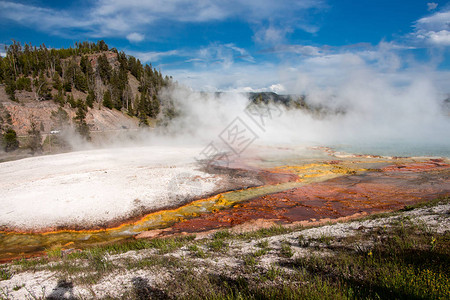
99 72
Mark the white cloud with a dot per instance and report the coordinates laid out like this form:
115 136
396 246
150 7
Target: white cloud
212 56
432 5
217 69
441 38
135 37
437 21
223 54
305 50
434 29
277 88
153 56
271 35
116 18
242 76
45 19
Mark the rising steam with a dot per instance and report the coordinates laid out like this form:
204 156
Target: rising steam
376 112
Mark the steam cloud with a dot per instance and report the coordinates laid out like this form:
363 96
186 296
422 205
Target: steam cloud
404 115
383 111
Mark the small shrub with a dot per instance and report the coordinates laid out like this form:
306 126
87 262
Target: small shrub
286 250
4 274
18 287
218 245
54 253
272 273
222 234
250 261
263 244
302 241
197 251
260 252
166 245
325 239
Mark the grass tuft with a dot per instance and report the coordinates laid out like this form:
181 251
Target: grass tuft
197 251
4 274
218 245
286 250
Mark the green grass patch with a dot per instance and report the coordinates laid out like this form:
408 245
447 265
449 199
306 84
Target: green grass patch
325 239
18 287
261 252
264 244
286 249
54 252
404 263
265 232
222 234
430 203
303 241
166 245
273 273
4 274
155 261
218 245
30 264
250 260
197 251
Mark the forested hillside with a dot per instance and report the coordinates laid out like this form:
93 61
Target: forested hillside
79 80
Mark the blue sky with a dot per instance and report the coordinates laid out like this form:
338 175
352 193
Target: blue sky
250 45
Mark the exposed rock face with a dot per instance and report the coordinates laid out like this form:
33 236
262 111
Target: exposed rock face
98 119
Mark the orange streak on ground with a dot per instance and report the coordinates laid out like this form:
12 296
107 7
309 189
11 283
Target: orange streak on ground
352 193
218 199
140 221
333 199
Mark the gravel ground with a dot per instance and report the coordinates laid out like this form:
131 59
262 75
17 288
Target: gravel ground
45 283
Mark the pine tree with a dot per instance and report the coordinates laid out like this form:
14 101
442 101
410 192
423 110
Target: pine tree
10 142
104 68
102 46
10 88
34 139
155 106
107 100
90 99
142 111
71 101
41 88
57 84
80 81
23 83
80 121
84 62
59 97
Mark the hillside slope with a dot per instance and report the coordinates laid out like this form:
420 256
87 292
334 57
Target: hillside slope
87 88
98 119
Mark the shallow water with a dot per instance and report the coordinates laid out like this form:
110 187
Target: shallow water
397 148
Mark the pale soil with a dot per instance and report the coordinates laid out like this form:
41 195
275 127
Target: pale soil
39 284
90 188
98 119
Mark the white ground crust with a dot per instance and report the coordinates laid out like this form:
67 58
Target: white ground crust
90 187
41 284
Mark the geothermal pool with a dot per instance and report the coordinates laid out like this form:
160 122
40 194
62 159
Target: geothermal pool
84 198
